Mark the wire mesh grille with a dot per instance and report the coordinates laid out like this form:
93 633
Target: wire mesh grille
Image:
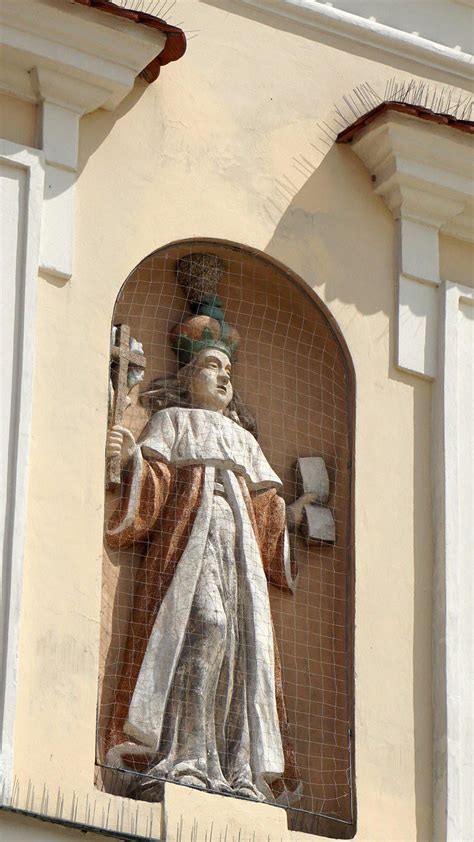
292 375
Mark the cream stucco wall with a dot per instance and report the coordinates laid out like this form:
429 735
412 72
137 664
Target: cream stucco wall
226 145
17 120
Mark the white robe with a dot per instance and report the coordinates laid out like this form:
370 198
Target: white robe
179 437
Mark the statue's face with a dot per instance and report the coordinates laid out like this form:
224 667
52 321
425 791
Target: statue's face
208 381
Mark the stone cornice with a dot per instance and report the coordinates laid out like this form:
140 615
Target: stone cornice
175 45
72 58
370 33
103 53
423 172
432 164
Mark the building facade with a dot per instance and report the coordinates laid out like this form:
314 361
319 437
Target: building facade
323 152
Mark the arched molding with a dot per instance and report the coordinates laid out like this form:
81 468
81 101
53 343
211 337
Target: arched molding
309 303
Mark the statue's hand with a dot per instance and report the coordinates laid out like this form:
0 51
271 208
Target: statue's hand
294 512
120 442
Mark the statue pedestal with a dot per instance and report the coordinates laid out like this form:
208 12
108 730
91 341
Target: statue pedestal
202 816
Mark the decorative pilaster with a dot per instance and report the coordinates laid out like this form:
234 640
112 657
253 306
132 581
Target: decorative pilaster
71 60
453 585
423 171
424 174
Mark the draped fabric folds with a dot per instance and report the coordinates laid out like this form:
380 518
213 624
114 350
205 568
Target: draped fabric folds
200 694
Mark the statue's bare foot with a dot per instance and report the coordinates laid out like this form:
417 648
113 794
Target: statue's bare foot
146 790
191 780
220 786
189 774
248 790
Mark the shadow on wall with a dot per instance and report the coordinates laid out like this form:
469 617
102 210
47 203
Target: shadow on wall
105 121
337 234
352 268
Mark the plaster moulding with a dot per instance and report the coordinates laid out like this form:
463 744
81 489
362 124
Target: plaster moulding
69 59
423 172
79 44
21 183
453 573
324 18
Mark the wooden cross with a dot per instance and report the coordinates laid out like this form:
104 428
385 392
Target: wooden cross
121 353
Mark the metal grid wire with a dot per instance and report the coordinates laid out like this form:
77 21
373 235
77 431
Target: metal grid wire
293 377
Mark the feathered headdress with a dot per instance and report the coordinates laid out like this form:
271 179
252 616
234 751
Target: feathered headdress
199 275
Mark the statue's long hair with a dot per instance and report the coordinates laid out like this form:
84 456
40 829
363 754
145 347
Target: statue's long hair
171 390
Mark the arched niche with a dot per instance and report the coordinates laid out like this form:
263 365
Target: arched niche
295 374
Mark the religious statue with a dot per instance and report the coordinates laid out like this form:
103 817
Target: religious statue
199 700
